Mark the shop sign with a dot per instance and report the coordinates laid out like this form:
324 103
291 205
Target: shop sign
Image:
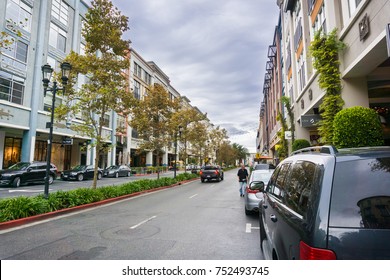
310 120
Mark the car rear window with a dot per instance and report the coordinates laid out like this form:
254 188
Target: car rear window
361 194
210 168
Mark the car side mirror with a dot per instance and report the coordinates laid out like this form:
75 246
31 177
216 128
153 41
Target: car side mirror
257 185
29 169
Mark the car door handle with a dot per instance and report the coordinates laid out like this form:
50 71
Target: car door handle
273 218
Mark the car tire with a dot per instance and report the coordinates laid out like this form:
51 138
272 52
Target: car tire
51 179
247 212
262 231
99 175
116 174
202 180
219 179
16 182
80 177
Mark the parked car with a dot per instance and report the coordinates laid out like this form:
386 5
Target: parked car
258 180
117 171
81 172
211 172
324 203
26 172
264 166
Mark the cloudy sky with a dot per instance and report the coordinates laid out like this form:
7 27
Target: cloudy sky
214 52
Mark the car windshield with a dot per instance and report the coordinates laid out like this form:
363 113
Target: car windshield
79 167
19 166
113 167
260 176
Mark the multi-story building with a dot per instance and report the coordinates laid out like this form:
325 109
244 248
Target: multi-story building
51 30
365 63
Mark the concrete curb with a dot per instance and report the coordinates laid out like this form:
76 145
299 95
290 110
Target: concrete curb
40 217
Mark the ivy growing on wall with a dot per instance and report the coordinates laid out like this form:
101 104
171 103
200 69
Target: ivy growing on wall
325 49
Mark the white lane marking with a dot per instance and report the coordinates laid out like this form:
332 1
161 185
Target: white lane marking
193 196
249 228
27 190
145 221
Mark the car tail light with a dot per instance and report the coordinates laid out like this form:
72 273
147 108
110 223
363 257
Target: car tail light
216 172
248 190
307 252
200 172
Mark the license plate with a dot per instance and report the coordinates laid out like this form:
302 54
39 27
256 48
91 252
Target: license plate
208 176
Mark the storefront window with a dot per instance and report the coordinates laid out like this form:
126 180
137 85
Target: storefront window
12 151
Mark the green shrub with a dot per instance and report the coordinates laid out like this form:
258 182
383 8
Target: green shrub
357 127
300 144
21 207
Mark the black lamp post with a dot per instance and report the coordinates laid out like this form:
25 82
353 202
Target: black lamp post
46 73
175 165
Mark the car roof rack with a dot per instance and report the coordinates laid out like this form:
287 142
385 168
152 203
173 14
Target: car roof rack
326 149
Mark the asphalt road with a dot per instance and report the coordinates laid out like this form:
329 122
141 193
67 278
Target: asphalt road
194 221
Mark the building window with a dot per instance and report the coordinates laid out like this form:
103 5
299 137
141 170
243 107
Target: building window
16 55
137 92
59 11
301 73
57 38
137 70
12 151
19 12
11 88
320 20
148 78
106 120
353 4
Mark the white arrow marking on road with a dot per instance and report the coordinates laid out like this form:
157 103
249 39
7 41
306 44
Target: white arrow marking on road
193 196
141 223
27 190
249 228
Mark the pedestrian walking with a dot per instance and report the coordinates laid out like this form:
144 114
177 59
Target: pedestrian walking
242 175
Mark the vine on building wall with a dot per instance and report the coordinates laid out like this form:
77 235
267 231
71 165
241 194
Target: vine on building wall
290 112
325 49
282 146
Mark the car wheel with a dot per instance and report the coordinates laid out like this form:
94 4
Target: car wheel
262 231
16 182
219 179
51 179
202 180
99 175
117 175
80 177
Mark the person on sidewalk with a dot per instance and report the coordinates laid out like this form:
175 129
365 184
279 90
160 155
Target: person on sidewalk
242 175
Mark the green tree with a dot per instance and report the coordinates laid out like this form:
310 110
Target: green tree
198 136
6 40
226 154
103 65
357 127
240 152
325 50
282 146
290 112
186 118
151 118
217 137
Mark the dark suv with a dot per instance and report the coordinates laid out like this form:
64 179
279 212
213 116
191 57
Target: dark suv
26 172
324 203
211 172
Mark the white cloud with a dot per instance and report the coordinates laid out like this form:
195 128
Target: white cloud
214 52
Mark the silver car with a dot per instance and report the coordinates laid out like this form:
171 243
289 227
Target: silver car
254 191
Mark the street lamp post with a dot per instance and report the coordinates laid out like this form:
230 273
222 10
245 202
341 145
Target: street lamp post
46 73
175 165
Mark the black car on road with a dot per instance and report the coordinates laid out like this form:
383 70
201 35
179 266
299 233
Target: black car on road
80 173
211 172
117 171
324 203
27 172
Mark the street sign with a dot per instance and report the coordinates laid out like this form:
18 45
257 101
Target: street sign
310 120
67 141
287 135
